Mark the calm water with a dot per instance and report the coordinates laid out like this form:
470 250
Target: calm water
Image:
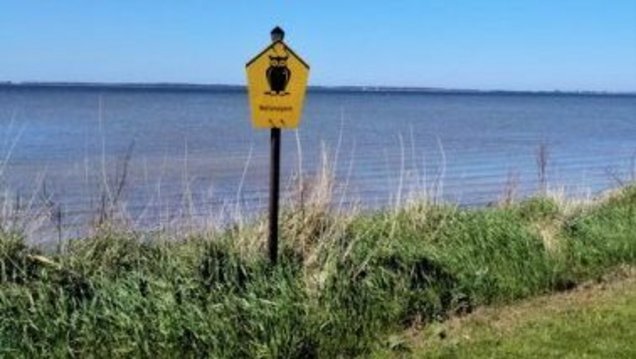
197 151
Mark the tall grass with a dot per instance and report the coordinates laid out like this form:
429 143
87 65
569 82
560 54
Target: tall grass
346 277
344 281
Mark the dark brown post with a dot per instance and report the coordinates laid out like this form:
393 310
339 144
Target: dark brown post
274 180
274 192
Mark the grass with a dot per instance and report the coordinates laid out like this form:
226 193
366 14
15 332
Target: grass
344 283
596 321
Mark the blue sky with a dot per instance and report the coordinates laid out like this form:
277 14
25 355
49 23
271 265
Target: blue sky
487 44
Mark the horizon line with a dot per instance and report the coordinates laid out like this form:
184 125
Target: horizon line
365 88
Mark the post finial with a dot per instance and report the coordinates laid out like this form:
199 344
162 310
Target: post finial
277 34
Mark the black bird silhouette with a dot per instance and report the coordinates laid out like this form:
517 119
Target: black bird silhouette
278 75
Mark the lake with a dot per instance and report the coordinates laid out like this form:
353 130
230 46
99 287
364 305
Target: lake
195 151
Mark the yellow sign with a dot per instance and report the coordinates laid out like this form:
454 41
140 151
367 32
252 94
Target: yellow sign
276 82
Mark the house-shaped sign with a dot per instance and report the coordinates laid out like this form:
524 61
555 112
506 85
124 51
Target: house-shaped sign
276 82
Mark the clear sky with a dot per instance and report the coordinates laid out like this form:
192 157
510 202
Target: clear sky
484 44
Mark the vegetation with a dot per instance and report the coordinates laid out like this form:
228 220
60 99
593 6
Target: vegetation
343 284
595 321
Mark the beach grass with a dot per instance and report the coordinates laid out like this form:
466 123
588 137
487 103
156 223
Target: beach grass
344 283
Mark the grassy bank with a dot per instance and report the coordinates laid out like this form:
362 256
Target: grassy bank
344 282
593 321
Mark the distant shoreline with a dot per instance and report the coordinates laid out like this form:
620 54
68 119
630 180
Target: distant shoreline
184 87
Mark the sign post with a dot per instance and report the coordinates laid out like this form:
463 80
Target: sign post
274 194
276 83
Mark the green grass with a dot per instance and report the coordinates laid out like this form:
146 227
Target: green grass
596 322
343 285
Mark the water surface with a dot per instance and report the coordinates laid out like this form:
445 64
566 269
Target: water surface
196 151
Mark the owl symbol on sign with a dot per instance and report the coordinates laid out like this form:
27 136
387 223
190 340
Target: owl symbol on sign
278 75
